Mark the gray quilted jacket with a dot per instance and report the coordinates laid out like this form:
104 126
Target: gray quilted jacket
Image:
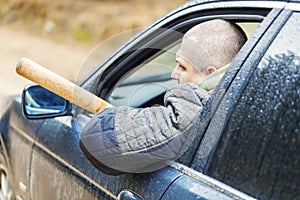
131 140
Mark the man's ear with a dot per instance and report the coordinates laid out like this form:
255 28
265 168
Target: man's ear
210 69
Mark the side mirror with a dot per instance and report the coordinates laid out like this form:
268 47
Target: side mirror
40 103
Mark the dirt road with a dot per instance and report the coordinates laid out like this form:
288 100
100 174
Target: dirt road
63 59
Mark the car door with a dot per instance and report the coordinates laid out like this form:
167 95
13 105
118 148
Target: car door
252 141
186 159
60 171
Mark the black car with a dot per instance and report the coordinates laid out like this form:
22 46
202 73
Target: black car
249 143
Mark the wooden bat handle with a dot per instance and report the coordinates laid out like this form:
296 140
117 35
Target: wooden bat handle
60 86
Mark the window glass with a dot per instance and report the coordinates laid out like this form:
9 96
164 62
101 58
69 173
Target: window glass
259 152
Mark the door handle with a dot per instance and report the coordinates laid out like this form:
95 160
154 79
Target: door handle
128 195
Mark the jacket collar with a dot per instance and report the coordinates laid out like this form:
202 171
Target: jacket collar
210 82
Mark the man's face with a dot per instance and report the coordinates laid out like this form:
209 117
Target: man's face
185 72
190 55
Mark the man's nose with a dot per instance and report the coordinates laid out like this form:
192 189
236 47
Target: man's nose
175 73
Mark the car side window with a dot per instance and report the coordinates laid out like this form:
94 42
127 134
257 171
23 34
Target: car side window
146 84
259 152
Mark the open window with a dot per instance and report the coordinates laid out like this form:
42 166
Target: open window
146 84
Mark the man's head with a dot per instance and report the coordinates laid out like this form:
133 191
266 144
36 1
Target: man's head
205 48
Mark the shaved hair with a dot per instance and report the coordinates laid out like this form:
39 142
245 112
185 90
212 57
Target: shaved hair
212 43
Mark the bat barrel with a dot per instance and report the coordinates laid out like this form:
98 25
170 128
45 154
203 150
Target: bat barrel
60 86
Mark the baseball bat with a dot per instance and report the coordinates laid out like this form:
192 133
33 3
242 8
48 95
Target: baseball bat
60 86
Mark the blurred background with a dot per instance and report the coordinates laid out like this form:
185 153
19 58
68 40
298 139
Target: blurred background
60 34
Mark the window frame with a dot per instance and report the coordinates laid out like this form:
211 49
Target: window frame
128 60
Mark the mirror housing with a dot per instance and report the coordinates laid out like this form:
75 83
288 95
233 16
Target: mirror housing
40 103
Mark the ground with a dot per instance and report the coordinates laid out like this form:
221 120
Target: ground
61 34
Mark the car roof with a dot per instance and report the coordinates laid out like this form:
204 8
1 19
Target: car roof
205 1
197 2
192 3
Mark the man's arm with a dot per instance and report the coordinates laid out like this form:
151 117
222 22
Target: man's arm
140 140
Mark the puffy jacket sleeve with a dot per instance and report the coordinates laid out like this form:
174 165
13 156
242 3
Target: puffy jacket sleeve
125 139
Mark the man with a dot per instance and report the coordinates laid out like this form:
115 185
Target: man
130 140
205 48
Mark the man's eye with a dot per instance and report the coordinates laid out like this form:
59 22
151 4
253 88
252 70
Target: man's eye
182 68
